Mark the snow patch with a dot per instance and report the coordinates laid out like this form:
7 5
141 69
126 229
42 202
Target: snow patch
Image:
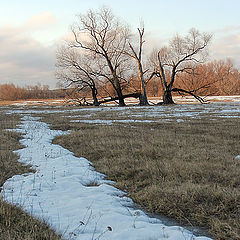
61 193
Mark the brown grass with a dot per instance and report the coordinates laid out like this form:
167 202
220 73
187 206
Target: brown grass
186 170
9 141
14 223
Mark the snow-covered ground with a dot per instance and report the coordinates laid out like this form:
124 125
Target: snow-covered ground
177 99
150 114
73 198
136 114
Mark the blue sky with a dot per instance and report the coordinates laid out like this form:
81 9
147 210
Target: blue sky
31 30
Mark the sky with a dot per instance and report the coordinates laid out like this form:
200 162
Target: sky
31 31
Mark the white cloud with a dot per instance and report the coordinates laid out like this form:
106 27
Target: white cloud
228 29
23 59
40 22
226 44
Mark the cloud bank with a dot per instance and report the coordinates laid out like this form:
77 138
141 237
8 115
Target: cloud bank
23 59
226 44
26 59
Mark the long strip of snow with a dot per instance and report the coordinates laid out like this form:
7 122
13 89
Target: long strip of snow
73 198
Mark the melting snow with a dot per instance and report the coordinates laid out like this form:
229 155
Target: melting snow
62 193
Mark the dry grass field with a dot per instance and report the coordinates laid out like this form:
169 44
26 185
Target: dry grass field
185 170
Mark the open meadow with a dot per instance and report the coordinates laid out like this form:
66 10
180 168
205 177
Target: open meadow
179 161
119 120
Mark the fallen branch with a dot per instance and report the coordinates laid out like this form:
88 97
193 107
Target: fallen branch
179 90
111 99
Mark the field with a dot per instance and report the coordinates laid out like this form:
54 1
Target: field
15 224
178 161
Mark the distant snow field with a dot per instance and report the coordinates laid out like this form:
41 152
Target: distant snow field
177 99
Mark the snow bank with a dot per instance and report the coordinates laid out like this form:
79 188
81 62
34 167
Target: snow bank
76 200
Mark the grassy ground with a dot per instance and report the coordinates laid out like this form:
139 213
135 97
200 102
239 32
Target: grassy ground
14 223
185 170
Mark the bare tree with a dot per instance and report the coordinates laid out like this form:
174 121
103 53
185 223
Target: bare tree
100 34
208 78
138 57
76 70
181 56
227 77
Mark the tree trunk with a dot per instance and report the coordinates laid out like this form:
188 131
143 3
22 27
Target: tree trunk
119 90
143 100
143 96
94 96
167 97
121 99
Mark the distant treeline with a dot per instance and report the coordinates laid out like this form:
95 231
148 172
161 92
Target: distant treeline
12 92
218 77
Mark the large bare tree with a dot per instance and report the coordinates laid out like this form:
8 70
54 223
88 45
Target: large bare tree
137 55
78 71
181 56
101 34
